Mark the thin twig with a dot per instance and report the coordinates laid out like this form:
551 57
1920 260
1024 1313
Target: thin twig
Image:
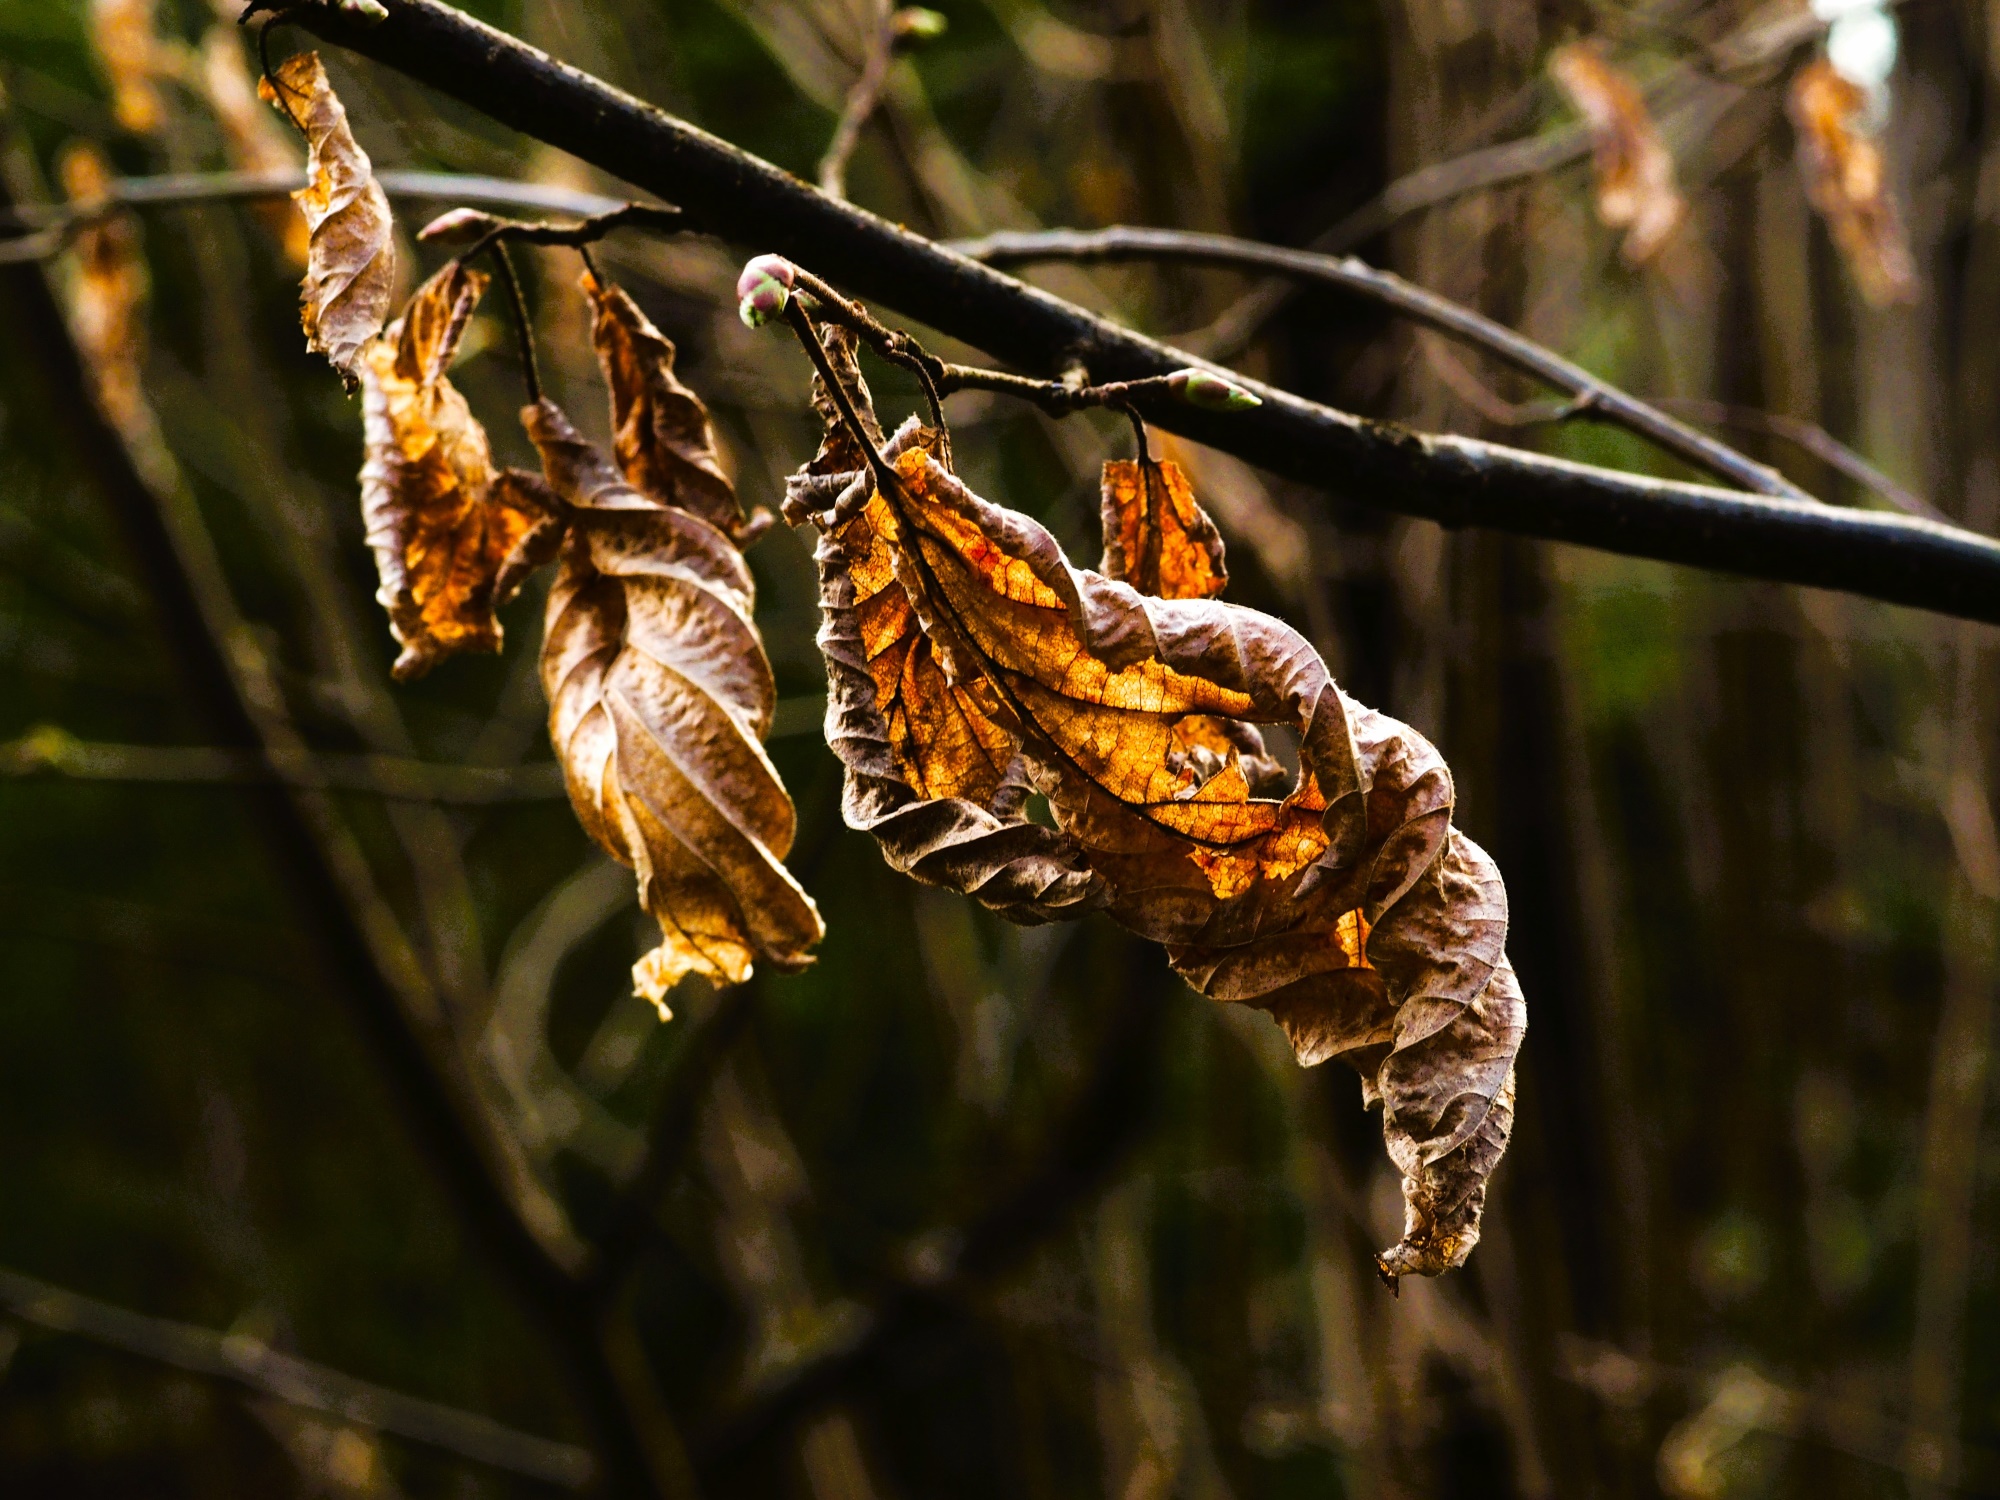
297 1382
43 228
1807 436
860 104
52 752
1080 1157
583 233
1605 401
670 1134
524 327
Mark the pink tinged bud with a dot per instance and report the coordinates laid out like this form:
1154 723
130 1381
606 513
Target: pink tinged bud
764 268
764 301
459 227
1211 392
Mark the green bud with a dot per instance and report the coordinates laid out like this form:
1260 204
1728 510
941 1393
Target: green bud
916 24
1210 392
765 300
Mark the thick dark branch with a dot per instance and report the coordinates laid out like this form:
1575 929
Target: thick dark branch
1454 481
1594 397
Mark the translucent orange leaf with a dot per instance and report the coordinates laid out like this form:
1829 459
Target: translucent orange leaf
134 58
448 531
1156 537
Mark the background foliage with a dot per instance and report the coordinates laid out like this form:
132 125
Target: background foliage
1743 1242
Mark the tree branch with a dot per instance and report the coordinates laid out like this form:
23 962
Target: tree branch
1451 480
45 227
296 1381
1594 397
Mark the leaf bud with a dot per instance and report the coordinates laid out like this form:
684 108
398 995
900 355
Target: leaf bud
914 24
1209 391
763 289
368 10
460 226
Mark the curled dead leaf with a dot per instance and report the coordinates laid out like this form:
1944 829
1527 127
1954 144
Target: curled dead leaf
1847 181
932 773
1636 190
1341 900
661 434
659 698
107 293
452 537
351 258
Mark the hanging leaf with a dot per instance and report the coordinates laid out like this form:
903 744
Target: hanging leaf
933 771
107 293
251 136
659 698
1345 903
134 57
1156 537
452 537
1847 181
351 259
661 434
1636 190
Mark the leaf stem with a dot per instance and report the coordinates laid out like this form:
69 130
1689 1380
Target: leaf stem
524 330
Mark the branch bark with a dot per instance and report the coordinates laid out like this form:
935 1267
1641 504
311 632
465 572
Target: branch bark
1594 397
1451 480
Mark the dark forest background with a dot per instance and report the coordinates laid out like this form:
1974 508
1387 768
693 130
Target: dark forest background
1744 1241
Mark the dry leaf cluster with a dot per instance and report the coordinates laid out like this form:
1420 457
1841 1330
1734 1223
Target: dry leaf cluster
1846 180
972 670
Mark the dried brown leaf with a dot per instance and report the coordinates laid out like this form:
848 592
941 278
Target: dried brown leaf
452 537
1636 190
659 698
1343 903
661 434
1847 181
134 58
107 298
351 258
